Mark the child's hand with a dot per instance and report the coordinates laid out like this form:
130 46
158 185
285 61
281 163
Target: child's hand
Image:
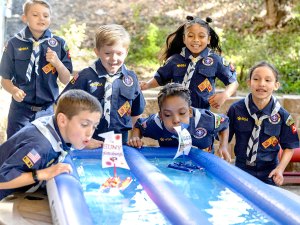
135 142
277 176
19 95
223 153
217 100
54 170
52 58
144 85
93 143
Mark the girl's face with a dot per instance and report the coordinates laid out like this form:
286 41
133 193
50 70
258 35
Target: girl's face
38 19
78 130
263 83
112 57
175 110
196 39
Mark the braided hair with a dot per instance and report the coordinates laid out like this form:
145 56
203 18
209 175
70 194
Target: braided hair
173 89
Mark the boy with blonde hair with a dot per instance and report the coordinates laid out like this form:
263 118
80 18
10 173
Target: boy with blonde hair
108 79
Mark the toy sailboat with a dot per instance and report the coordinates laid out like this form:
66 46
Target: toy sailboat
184 147
113 156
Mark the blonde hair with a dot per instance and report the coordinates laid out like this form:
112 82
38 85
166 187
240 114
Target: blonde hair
111 34
29 3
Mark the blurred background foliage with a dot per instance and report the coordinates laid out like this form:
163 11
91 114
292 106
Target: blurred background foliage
244 46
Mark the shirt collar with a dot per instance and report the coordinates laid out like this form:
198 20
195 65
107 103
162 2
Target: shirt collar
203 54
28 34
65 146
101 71
265 111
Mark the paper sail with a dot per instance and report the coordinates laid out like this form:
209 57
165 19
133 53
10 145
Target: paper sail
112 151
184 141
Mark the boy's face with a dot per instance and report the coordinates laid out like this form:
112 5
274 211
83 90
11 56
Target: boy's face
112 57
38 19
174 111
263 83
78 131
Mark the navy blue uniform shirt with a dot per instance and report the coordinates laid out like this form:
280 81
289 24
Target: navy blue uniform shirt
202 85
203 127
27 150
125 90
276 131
42 89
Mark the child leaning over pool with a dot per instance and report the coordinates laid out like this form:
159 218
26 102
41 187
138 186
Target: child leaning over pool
261 127
35 153
174 109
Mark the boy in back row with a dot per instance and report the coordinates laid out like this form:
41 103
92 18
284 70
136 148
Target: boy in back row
108 79
31 63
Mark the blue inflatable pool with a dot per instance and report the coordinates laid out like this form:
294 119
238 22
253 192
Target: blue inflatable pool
68 205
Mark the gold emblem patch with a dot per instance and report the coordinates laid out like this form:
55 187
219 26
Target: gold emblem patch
124 109
205 85
27 161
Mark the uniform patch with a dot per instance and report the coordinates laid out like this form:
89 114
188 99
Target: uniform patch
75 77
128 81
294 128
241 118
218 120
275 119
200 132
34 156
289 121
225 62
124 109
50 162
49 68
270 141
27 161
208 61
205 85
96 84
23 49
181 65
52 42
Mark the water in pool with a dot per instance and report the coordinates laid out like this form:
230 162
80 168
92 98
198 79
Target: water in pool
133 206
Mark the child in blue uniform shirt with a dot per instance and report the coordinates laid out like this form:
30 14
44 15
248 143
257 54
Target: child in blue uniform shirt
261 127
31 63
35 153
175 109
191 58
109 80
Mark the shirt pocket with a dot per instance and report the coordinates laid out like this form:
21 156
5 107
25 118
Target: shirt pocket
127 93
272 129
22 59
207 71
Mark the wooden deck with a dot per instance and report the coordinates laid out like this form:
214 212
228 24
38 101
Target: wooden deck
25 209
